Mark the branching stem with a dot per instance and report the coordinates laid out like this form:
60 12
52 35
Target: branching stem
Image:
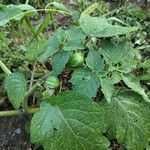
25 102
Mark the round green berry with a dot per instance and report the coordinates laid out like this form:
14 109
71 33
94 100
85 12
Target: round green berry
76 60
53 82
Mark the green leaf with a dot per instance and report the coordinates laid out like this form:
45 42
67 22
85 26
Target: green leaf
134 84
74 39
129 64
94 61
44 122
61 35
131 60
27 24
91 8
145 76
85 81
51 49
100 27
8 13
69 123
116 77
14 12
59 6
16 87
145 64
129 115
35 50
115 52
59 61
107 88
69 40
24 7
1 6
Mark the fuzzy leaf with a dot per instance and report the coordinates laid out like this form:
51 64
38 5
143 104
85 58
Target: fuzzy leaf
8 13
13 12
74 39
85 81
100 27
42 125
134 84
94 61
129 115
59 61
36 49
52 47
115 52
69 40
68 123
107 88
129 64
16 87
115 77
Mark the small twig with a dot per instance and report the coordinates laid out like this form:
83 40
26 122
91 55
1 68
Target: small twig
34 87
35 80
32 76
43 65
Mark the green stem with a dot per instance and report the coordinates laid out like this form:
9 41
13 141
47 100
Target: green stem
27 2
25 102
18 112
44 23
4 68
114 11
32 75
53 20
29 27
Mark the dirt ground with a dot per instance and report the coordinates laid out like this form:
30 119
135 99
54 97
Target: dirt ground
13 135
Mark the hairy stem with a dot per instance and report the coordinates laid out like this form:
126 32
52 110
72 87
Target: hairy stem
4 68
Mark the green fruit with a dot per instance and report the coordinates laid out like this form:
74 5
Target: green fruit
76 60
53 82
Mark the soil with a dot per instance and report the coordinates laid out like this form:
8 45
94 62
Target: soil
13 135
